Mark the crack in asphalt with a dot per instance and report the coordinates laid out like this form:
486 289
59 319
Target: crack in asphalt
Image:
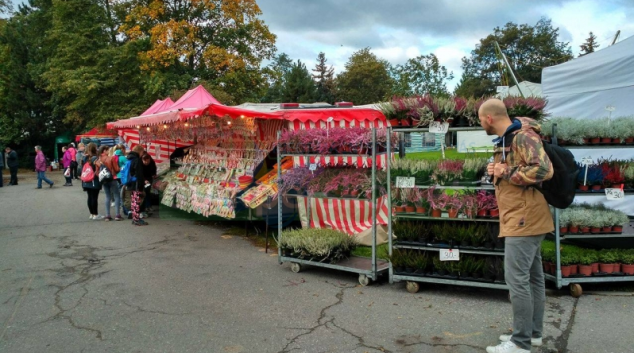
322 322
561 343
140 309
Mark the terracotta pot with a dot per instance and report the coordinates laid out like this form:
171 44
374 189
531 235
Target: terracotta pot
595 267
482 213
354 193
405 122
606 229
629 140
606 140
420 209
586 141
596 187
616 186
584 187
494 213
585 230
399 209
394 122
436 213
563 230
595 230
573 229
546 267
565 271
606 268
595 140
616 268
627 269
574 269
616 141
585 270
453 213
617 229
410 209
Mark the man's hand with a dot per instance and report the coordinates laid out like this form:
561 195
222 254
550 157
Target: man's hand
499 169
490 168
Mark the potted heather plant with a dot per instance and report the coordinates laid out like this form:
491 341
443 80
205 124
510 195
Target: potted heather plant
473 168
454 205
447 172
483 203
408 198
564 220
627 260
437 202
470 205
620 220
422 205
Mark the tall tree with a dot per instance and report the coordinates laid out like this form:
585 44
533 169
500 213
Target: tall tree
219 41
5 6
275 74
365 80
590 45
299 86
527 48
324 77
421 75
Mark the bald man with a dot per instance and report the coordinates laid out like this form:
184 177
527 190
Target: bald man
520 162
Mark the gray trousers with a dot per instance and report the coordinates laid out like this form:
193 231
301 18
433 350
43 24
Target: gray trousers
525 277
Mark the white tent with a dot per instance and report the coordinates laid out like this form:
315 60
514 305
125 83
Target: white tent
530 89
585 86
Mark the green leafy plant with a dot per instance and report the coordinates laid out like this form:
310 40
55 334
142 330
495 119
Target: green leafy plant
608 257
589 257
318 244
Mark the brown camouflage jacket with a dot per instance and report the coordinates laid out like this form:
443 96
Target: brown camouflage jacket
523 209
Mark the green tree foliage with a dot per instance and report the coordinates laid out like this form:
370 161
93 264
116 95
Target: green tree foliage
299 86
324 77
590 45
5 6
527 48
366 79
276 73
219 41
421 75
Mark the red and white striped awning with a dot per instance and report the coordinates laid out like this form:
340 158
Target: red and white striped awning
352 216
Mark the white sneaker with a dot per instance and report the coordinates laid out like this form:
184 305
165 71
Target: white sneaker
506 347
535 342
98 217
91 216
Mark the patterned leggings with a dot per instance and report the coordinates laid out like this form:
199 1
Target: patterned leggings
135 206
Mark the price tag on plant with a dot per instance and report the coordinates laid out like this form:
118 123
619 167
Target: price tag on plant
587 161
437 127
312 167
614 194
405 182
449 255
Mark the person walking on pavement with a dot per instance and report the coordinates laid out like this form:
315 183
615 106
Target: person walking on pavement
1 167
520 162
66 163
92 187
12 163
73 163
40 167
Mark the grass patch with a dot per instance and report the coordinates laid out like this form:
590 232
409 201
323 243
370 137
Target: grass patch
366 251
449 154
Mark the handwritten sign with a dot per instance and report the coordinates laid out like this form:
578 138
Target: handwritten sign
405 182
450 255
437 127
614 194
312 167
587 161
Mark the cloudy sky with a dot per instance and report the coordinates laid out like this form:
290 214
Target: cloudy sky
397 30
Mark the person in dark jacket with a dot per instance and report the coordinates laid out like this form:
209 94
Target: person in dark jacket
149 173
12 163
136 187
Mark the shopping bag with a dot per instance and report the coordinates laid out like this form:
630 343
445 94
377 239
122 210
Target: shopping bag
67 172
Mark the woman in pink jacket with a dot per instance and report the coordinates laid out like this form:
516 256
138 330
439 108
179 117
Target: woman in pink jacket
66 163
40 167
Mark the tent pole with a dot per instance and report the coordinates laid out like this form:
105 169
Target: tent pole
506 63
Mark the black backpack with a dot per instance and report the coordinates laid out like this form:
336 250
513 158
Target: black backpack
560 190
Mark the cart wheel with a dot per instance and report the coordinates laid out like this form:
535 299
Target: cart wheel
364 280
576 290
295 267
412 287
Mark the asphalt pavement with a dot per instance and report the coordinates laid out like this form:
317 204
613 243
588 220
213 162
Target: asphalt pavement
69 284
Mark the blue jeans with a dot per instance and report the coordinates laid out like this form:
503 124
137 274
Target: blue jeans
42 176
112 189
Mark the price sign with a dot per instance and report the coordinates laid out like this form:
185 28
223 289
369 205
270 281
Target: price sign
437 127
248 172
405 182
614 194
312 167
449 255
587 161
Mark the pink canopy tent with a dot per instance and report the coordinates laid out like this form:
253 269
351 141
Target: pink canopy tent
159 106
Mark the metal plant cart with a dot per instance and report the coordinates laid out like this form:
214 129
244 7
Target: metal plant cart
369 269
574 283
412 285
